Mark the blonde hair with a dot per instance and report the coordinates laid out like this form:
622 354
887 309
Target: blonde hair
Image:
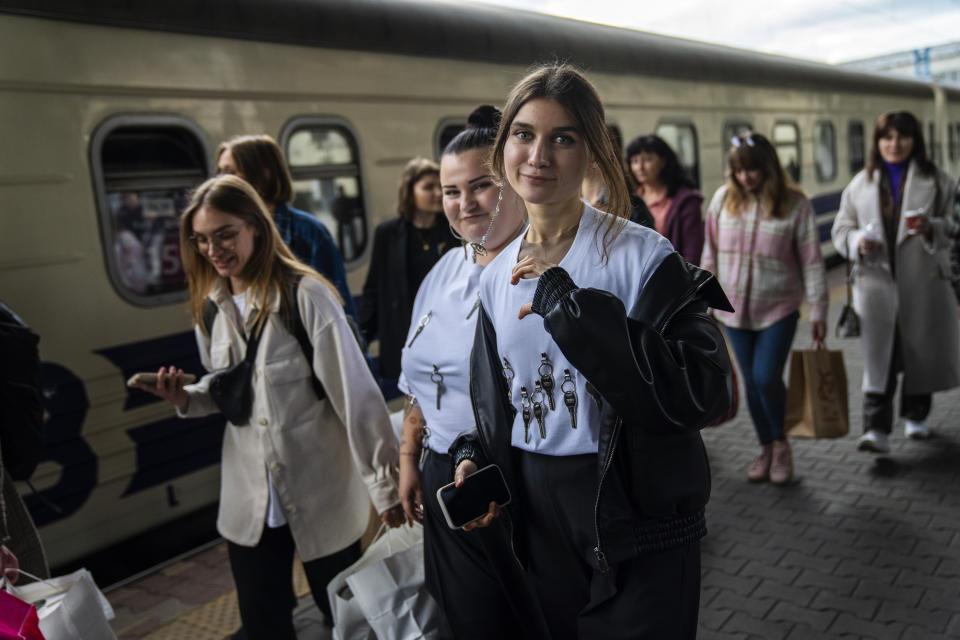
271 267
568 87
752 151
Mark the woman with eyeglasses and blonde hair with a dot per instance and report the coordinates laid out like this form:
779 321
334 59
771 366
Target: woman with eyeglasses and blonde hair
762 243
316 446
893 226
593 368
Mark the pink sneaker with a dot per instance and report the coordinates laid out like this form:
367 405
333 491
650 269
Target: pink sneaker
781 467
759 471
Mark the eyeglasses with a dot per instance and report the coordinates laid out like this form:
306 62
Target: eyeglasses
739 141
224 239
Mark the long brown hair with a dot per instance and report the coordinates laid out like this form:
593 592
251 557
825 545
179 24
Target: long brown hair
752 151
568 87
260 161
415 169
271 267
906 124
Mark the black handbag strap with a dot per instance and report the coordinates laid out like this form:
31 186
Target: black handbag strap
292 321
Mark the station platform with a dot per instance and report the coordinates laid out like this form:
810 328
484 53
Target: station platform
857 546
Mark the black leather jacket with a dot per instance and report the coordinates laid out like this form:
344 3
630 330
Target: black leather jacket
662 372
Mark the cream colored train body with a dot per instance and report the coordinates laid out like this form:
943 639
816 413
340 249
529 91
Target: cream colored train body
365 86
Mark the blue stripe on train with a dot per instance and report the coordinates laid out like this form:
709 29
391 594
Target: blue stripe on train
825 203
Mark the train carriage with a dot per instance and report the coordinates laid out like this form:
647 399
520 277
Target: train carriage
112 112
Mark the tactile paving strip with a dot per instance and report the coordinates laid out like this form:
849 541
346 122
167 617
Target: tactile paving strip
216 619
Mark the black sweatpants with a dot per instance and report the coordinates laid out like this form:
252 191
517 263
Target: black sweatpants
653 596
264 578
474 576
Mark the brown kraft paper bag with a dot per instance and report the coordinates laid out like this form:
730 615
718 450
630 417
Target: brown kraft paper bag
817 403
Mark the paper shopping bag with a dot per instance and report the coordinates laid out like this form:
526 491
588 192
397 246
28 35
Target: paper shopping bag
817 403
18 619
70 606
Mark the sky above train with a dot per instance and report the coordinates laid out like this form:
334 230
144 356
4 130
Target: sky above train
829 31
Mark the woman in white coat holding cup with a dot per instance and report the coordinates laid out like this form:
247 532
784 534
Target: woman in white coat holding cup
891 225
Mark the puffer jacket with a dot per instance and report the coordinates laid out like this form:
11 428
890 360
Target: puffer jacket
663 372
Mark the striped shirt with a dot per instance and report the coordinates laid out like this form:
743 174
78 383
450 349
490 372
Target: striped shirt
765 264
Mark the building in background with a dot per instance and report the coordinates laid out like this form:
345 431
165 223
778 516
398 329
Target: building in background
939 64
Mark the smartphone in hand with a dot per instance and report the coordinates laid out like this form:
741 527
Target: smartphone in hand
471 500
149 378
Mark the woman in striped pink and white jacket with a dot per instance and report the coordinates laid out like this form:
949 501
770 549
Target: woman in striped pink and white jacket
761 242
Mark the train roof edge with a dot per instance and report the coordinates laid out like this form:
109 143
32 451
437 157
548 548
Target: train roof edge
467 31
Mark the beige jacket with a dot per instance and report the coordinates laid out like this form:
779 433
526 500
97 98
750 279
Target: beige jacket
324 457
920 300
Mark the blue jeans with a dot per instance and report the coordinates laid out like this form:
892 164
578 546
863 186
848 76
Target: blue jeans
762 355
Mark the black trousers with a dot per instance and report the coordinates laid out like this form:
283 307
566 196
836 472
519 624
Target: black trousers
878 407
474 576
654 596
264 578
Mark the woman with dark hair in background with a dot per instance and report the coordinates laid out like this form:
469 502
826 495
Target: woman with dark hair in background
892 224
404 250
669 194
259 161
299 471
762 242
594 365
494 602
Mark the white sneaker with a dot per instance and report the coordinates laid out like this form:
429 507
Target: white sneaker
875 441
916 430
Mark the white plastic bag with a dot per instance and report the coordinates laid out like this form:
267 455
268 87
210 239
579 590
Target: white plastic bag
383 595
69 607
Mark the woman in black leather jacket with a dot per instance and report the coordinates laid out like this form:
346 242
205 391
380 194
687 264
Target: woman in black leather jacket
592 397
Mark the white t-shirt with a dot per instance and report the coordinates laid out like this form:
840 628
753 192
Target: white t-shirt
632 257
448 297
275 515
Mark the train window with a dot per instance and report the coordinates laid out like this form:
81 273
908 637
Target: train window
733 128
446 131
825 151
325 165
786 140
682 138
143 169
855 146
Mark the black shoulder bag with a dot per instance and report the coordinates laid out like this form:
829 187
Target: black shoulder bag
848 326
231 390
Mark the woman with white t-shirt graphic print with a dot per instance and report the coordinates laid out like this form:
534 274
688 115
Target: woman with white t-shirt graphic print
614 367
435 362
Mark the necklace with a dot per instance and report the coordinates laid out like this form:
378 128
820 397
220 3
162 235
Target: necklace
480 248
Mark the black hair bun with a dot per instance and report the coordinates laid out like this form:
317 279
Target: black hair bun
484 117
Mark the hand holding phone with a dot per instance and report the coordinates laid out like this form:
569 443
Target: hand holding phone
471 500
166 384
146 377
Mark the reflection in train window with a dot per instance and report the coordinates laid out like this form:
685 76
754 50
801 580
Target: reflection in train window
144 168
733 128
825 151
786 140
325 166
446 131
855 146
682 138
